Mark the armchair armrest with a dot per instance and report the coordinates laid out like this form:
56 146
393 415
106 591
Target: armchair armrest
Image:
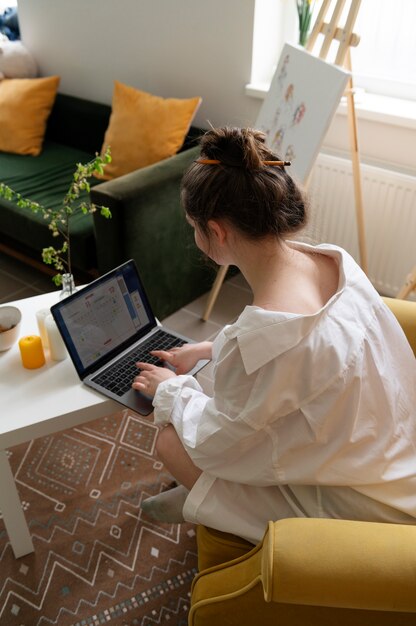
315 572
340 563
140 191
148 225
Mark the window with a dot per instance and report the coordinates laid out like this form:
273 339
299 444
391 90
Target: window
273 26
5 4
383 62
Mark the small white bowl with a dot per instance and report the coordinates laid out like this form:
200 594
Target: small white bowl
10 318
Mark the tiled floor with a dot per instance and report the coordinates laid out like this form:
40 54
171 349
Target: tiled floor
18 280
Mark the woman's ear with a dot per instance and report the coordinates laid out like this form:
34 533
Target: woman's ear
217 231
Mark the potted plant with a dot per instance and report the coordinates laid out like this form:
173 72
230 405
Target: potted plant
59 218
305 10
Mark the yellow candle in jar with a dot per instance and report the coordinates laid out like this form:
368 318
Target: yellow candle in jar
31 351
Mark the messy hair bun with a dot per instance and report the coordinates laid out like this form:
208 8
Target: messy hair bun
235 147
258 199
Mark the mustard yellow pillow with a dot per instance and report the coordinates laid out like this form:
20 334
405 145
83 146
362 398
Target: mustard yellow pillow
144 128
25 105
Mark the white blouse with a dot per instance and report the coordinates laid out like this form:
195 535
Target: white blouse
324 400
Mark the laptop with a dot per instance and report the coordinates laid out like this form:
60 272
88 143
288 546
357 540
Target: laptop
107 327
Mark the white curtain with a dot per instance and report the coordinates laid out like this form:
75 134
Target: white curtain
385 59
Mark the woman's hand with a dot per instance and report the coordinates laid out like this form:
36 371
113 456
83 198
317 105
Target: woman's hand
149 378
183 359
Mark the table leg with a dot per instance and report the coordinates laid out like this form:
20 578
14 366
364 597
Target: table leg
11 508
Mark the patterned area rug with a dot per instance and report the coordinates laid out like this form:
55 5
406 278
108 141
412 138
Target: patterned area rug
98 559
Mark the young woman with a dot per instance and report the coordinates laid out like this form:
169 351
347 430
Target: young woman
314 405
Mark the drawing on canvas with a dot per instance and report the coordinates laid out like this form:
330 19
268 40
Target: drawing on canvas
302 99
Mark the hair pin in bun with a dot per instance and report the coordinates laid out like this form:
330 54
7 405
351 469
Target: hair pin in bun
277 163
272 163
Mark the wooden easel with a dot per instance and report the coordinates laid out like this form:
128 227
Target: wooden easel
347 39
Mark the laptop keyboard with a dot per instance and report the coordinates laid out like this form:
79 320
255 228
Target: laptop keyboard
118 377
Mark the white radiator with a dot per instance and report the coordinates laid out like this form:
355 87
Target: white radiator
389 200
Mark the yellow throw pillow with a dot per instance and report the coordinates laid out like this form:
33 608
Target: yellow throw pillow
144 128
25 105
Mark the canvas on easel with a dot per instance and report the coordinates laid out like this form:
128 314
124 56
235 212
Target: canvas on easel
301 102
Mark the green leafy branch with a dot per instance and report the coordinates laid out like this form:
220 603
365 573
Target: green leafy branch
59 218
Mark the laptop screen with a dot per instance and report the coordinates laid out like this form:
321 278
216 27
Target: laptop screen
102 319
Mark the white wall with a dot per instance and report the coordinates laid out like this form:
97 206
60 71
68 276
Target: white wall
172 48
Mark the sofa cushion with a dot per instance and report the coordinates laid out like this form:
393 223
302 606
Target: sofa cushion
78 123
25 105
46 179
144 128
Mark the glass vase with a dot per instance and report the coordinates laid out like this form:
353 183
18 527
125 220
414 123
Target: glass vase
68 286
303 37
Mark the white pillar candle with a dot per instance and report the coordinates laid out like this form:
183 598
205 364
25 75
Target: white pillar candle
57 347
40 318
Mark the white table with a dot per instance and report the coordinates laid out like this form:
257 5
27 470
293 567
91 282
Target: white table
35 403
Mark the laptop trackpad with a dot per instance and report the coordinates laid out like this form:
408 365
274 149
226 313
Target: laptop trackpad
137 401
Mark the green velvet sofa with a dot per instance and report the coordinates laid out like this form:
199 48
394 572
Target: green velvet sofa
147 224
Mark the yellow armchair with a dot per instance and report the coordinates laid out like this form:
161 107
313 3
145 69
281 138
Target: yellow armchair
405 311
311 572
